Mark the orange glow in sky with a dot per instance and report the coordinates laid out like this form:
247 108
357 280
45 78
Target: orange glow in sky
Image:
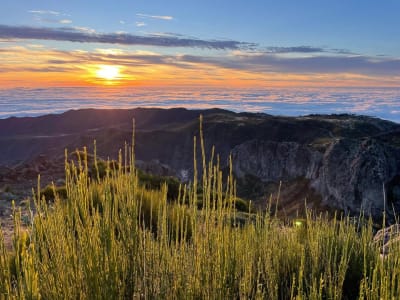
40 66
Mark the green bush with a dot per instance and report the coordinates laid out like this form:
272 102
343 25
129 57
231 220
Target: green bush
155 182
241 204
51 192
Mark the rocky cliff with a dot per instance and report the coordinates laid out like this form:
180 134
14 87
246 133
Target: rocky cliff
350 175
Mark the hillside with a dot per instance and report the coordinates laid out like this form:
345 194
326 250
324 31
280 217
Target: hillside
339 162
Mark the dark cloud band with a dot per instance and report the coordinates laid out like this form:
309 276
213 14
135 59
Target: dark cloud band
268 62
74 35
298 49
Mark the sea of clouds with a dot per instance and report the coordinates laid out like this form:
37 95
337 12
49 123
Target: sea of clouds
377 102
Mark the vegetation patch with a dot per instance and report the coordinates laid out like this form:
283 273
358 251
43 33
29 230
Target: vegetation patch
118 237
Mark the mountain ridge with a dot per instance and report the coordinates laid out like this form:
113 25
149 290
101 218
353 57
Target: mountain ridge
338 161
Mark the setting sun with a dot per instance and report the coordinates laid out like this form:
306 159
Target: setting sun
108 72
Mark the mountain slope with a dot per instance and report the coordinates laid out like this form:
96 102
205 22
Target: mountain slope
339 161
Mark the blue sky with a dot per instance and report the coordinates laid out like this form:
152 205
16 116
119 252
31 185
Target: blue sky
368 27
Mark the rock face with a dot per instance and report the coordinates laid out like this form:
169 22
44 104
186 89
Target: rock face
275 161
350 175
355 174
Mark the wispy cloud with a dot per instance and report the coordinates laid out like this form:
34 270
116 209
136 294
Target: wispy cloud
6 41
45 12
357 64
307 50
53 21
73 35
65 21
83 29
166 18
261 63
256 64
140 24
342 51
50 16
297 49
323 64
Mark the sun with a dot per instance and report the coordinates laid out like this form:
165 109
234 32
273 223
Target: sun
108 72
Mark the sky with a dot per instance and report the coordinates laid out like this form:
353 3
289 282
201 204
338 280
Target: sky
218 43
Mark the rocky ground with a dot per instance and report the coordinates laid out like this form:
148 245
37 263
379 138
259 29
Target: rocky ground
18 184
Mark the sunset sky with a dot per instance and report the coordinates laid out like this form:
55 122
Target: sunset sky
197 43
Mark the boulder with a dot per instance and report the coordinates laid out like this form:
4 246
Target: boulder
388 239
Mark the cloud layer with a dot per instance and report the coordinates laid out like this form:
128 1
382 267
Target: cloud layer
372 101
74 35
267 62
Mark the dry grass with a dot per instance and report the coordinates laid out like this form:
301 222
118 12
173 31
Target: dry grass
115 239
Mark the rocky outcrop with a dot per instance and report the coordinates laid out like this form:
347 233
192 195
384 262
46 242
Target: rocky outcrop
275 161
350 175
388 239
355 174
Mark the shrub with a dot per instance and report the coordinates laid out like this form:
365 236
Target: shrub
155 182
50 192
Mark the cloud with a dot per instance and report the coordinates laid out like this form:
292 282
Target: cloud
166 18
23 65
330 64
52 21
371 101
65 21
343 51
297 49
323 64
307 49
74 35
82 29
261 64
49 16
45 12
163 34
361 66
48 12
140 24
358 67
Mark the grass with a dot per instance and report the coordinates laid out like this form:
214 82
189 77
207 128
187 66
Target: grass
114 237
